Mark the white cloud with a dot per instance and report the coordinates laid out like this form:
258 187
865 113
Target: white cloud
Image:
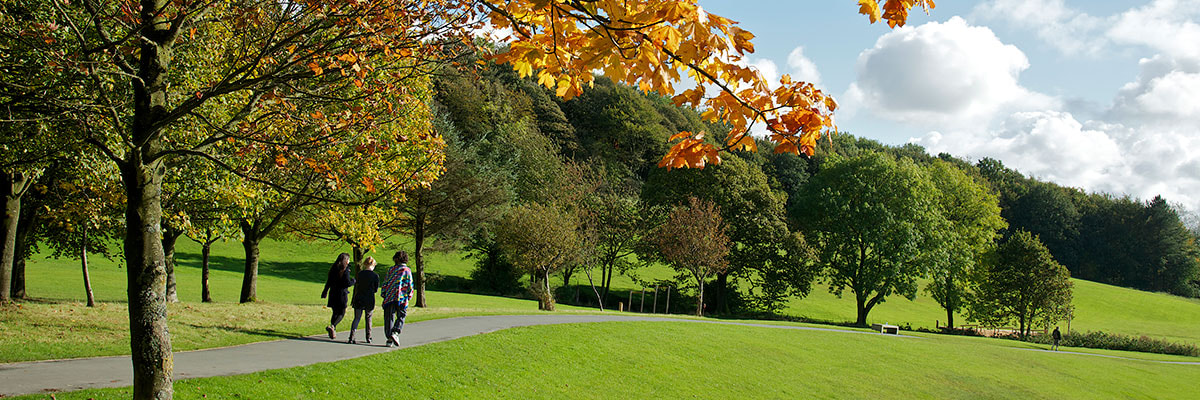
945 75
962 84
1048 144
1167 26
1165 93
803 69
1068 30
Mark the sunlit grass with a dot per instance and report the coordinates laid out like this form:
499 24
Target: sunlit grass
685 360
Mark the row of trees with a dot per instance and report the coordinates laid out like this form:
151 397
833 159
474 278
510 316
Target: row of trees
315 99
872 223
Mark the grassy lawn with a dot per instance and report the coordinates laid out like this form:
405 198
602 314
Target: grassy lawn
1098 307
58 325
291 275
680 360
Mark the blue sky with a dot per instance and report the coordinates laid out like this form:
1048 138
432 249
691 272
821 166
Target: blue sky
1101 95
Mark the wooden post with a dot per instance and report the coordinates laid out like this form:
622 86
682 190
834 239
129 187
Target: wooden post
630 301
655 309
668 300
620 306
642 304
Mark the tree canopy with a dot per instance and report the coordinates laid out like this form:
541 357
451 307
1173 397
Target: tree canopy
875 225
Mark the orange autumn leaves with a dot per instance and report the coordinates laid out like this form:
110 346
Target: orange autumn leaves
652 46
894 11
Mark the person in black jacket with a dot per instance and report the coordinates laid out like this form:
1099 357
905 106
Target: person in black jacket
337 288
364 297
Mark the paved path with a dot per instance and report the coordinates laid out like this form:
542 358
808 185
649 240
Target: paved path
1111 356
103 372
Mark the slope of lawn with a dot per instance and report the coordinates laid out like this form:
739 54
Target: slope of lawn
686 360
292 274
57 324
1098 307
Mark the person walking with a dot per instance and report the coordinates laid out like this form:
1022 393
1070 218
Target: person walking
337 289
396 292
1057 336
367 283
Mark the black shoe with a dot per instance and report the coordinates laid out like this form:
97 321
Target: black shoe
368 339
331 332
351 341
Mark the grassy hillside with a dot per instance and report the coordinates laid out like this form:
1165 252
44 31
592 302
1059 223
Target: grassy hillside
292 274
684 360
1098 307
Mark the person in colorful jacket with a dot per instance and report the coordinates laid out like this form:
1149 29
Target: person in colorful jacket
397 291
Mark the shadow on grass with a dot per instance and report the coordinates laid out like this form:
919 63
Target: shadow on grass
311 271
248 331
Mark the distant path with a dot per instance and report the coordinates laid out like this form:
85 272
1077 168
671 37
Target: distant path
116 371
1107 356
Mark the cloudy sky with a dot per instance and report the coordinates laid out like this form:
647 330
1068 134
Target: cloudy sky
1101 95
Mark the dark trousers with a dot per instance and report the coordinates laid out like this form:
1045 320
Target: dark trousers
338 314
393 319
358 313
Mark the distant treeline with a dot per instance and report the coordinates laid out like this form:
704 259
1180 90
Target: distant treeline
1111 239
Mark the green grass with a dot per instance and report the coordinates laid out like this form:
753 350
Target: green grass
58 325
292 273
682 360
1098 307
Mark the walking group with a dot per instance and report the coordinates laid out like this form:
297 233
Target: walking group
396 292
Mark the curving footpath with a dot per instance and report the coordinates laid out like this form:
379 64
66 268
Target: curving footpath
103 372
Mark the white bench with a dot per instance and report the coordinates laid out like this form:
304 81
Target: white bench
885 328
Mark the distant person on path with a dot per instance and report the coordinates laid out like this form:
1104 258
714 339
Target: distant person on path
364 297
1057 336
397 290
337 288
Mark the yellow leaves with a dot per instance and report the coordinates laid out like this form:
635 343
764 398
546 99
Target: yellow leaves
741 141
894 11
691 152
870 8
280 160
741 40
315 68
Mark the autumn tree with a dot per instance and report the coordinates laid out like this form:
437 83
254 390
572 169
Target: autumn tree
463 198
539 239
755 220
137 57
693 241
973 215
1021 283
81 211
874 223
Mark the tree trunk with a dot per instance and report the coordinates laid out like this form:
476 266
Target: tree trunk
419 259
547 300
13 186
607 278
87 279
250 275
949 318
591 283
719 303
861 301
170 237
358 254
21 250
700 297
150 341
18 274
567 277
205 296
